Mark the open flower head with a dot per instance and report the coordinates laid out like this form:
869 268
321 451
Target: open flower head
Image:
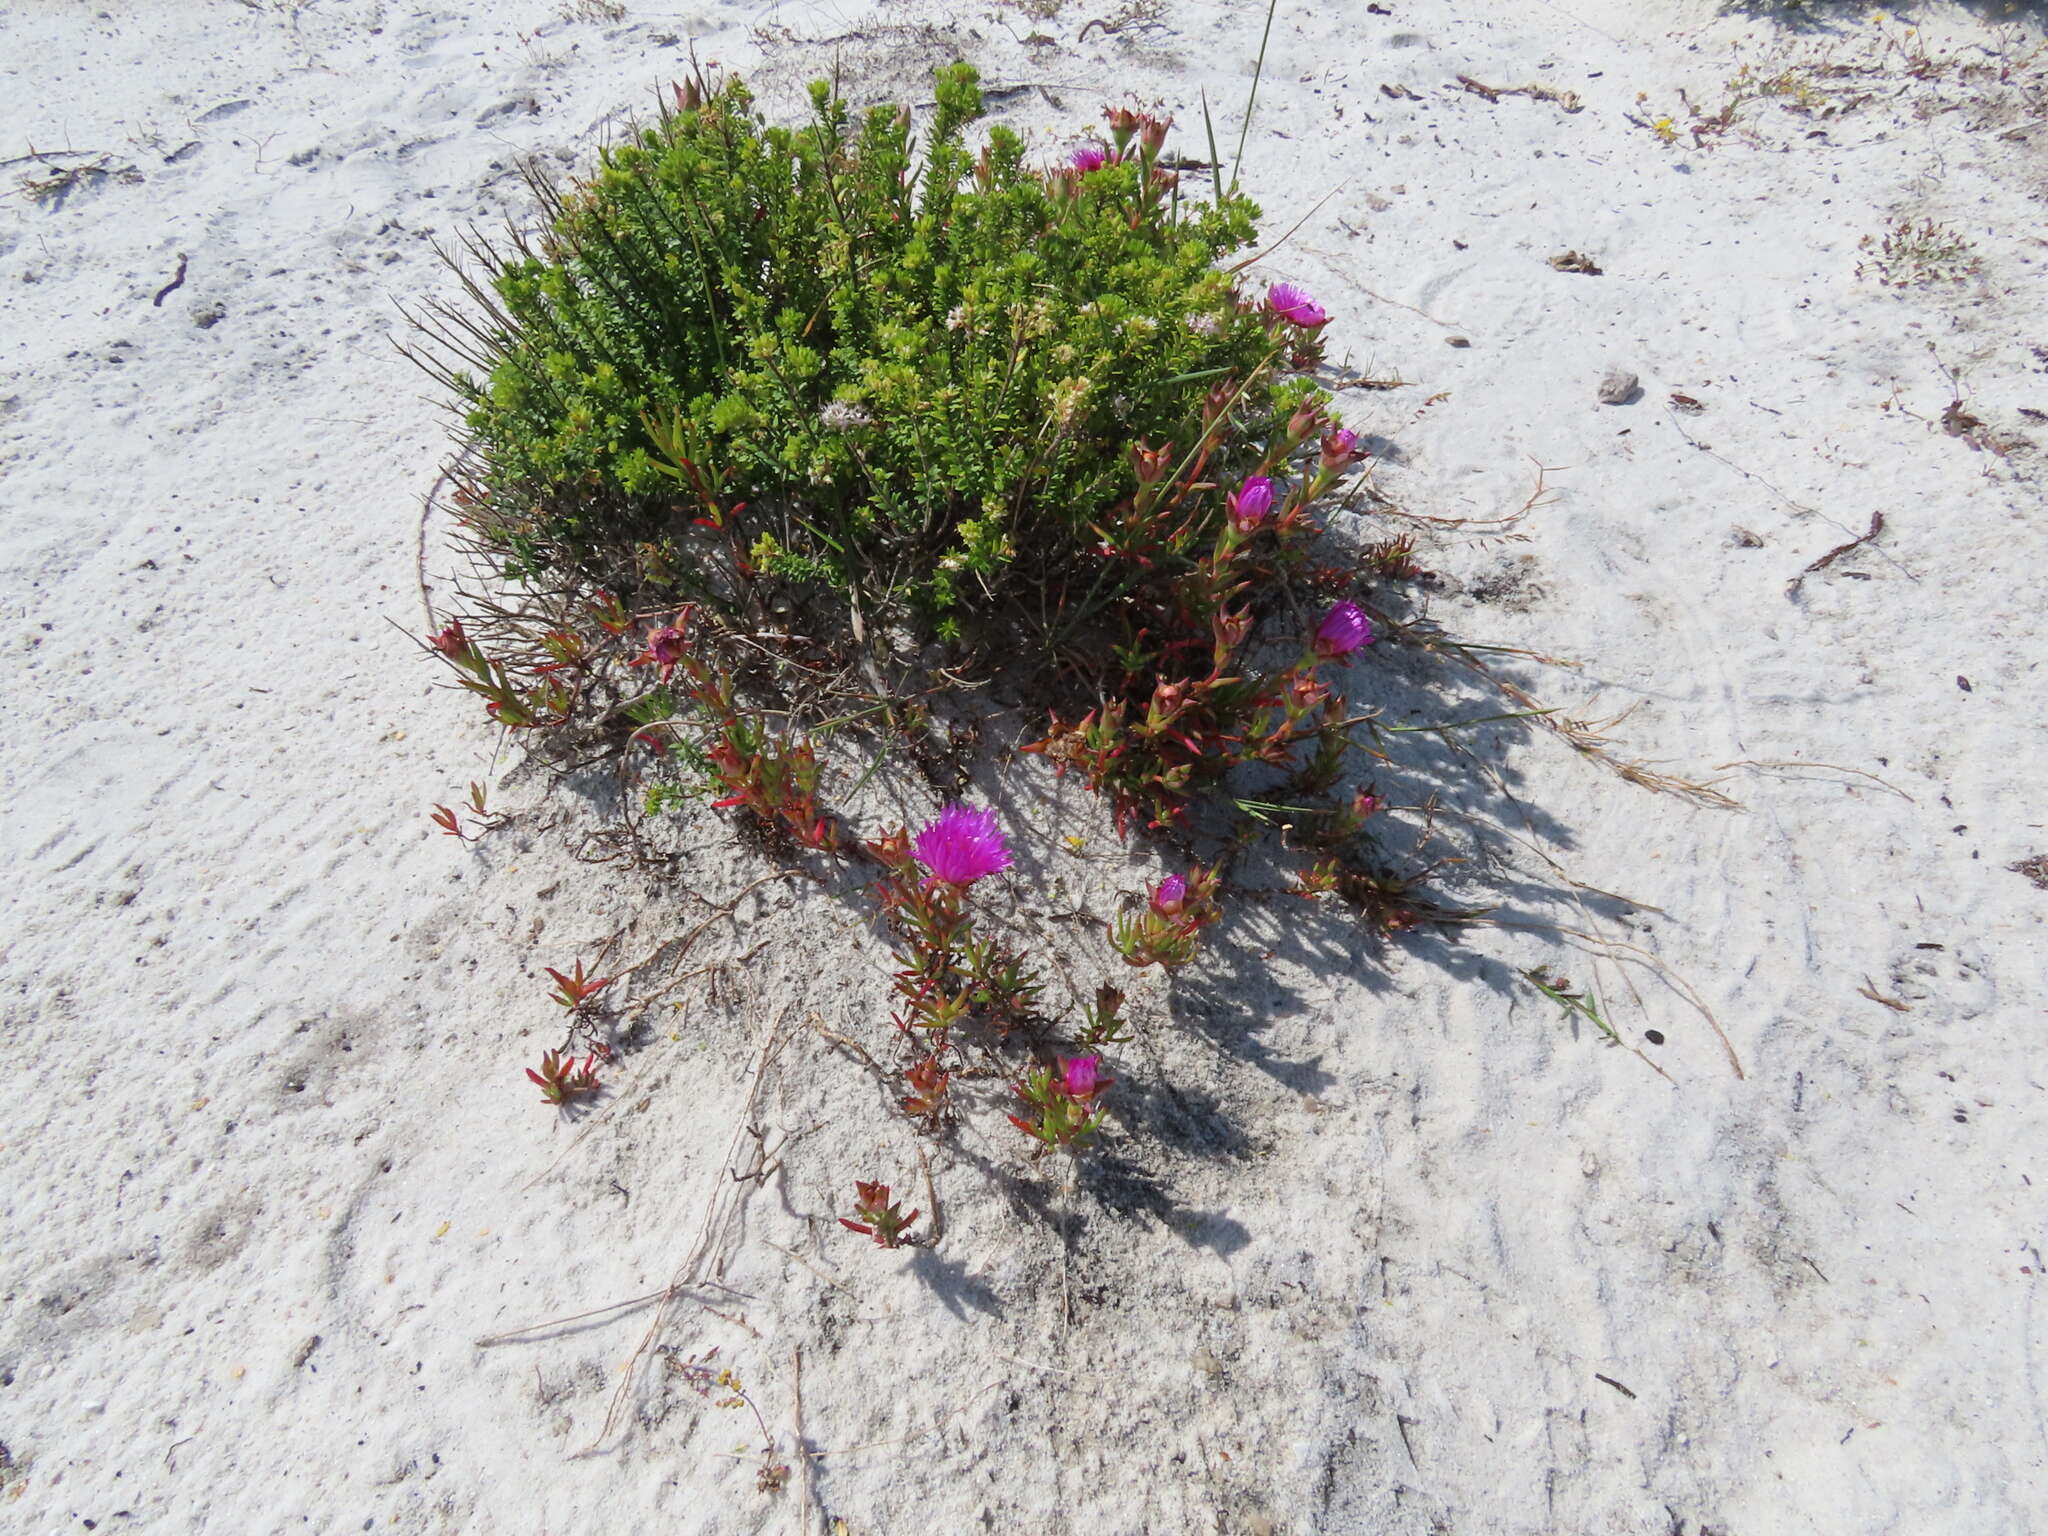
1090 157
1294 305
961 844
666 646
1344 629
844 416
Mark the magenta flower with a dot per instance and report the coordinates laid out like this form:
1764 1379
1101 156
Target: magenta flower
1340 449
1090 157
1344 629
666 647
960 845
1250 503
1082 1077
1168 896
1293 305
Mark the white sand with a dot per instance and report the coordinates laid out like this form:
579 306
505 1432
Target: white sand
1376 1222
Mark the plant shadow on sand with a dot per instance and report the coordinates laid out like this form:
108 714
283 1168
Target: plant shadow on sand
1459 824
1851 15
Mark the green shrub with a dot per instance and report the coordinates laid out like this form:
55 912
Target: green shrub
743 354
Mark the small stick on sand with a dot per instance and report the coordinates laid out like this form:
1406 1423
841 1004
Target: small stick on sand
1828 559
172 286
803 1451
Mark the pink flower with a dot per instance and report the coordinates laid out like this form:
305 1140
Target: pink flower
1090 157
1250 503
961 845
1293 305
1340 449
665 647
1082 1077
1343 631
1169 895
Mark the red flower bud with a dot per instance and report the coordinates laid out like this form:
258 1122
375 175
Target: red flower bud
1231 629
1150 464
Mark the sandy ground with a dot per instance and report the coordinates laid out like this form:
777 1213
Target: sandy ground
1382 1242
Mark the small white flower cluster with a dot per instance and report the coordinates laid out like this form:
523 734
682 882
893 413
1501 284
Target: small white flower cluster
957 317
1204 324
841 417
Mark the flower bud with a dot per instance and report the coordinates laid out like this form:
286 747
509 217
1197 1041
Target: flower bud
1305 693
1231 629
1150 464
1123 122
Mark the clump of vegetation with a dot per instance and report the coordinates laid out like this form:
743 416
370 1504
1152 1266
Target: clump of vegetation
764 410
1907 255
756 366
55 183
770 430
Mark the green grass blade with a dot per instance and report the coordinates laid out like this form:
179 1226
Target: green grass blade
1215 160
1252 102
